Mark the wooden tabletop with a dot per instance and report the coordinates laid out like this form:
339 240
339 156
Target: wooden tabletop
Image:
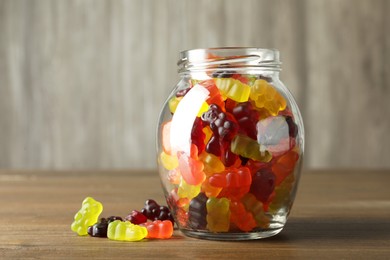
337 214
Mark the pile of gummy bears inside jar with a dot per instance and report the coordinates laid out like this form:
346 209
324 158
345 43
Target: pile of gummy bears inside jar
239 171
134 227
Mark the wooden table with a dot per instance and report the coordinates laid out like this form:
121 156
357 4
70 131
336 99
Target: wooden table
337 214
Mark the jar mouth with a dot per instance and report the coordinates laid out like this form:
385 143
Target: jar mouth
229 59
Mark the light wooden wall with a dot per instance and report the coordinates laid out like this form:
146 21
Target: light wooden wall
82 82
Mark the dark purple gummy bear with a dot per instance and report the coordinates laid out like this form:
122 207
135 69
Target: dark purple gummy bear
197 135
165 214
292 127
151 209
263 184
247 119
99 229
197 212
214 146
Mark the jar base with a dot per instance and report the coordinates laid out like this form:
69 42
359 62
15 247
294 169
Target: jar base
232 236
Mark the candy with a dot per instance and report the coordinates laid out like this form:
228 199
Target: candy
188 191
281 196
256 208
197 135
173 103
159 229
218 214
249 148
263 184
169 162
136 217
273 134
233 89
212 164
99 229
247 118
197 212
191 169
235 183
86 216
266 96
125 231
284 165
153 211
209 189
241 217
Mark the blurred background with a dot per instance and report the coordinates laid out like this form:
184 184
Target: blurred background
82 82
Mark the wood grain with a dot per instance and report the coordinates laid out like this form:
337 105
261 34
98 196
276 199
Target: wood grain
82 82
338 214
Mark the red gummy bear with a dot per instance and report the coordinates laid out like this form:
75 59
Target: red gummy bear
240 217
235 183
159 229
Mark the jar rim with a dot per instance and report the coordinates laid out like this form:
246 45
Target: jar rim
229 58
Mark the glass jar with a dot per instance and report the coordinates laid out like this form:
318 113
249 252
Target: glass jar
230 143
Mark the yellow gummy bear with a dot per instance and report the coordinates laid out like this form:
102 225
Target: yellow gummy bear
188 191
282 196
266 96
212 164
86 216
126 231
173 103
233 89
218 214
169 162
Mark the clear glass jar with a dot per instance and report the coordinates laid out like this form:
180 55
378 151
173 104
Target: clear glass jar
230 143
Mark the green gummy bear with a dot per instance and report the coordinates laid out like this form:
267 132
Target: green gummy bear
126 231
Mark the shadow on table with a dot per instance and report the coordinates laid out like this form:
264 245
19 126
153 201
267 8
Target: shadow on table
347 230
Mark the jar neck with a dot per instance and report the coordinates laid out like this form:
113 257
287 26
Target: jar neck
238 60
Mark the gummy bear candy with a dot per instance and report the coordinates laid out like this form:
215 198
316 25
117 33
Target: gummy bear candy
222 124
214 94
212 164
266 96
273 135
86 216
281 196
263 184
188 191
191 169
249 148
159 229
153 211
284 165
197 212
234 182
256 207
209 189
240 217
126 231
136 217
233 89
247 118
98 229
218 214
169 162
197 135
